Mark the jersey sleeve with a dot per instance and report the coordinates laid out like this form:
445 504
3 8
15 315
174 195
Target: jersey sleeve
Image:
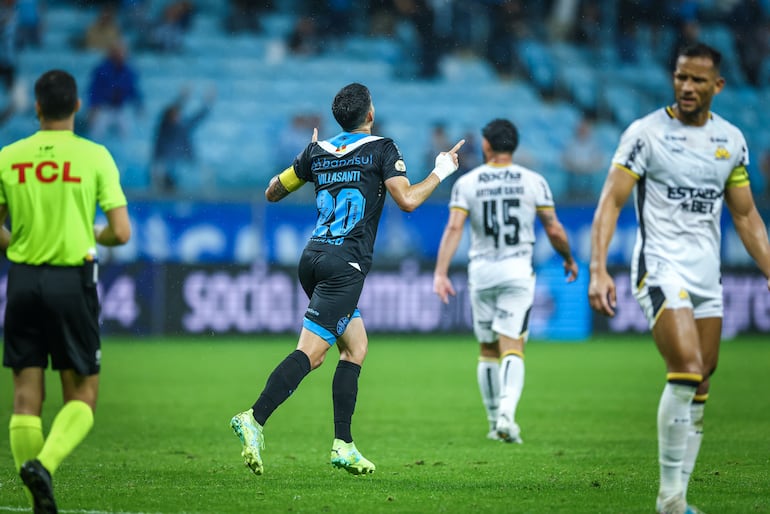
393 164
632 154
543 195
109 193
458 198
739 176
302 162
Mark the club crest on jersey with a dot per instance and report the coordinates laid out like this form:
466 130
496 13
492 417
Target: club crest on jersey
400 165
721 153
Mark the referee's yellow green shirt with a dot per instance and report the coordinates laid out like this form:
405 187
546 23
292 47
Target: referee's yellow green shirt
51 183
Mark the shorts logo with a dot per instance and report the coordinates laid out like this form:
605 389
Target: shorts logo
683 294
342 324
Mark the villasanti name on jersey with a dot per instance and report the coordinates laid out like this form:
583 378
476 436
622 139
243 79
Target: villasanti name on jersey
338 176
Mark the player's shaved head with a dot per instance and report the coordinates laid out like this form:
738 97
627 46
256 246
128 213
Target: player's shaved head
351 105
501 135
56 92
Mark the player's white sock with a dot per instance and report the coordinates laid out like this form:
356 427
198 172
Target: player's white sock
511 381
488 376
694 438
673 425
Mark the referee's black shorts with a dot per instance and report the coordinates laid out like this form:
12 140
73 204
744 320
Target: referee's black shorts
51 310
334 287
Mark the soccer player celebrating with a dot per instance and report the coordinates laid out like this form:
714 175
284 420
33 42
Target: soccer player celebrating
502 200
51 184
682 162
350 172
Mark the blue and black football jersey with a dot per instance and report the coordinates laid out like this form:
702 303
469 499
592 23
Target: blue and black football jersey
349 172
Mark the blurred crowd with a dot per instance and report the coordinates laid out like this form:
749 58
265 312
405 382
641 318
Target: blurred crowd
427 30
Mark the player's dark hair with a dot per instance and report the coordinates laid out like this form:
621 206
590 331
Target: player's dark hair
57 94
501 135
351 105
702 50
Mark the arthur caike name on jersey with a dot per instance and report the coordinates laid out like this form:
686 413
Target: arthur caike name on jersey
340 211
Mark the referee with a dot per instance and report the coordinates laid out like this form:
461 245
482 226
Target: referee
50 186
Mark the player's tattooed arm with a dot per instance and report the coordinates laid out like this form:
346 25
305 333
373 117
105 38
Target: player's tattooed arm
555 232
275 190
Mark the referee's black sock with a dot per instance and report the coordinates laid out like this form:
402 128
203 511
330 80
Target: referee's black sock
283 381
344 393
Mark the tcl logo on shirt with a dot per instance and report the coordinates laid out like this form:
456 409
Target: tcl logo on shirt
46 171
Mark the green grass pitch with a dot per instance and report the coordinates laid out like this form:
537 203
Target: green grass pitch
162 441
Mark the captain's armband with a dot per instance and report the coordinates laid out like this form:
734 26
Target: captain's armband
290 180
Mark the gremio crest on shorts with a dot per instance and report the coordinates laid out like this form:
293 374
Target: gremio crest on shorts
342 324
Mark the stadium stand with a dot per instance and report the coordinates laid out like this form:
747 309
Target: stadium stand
260 85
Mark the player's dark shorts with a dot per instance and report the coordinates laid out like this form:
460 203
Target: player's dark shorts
334 287
52 310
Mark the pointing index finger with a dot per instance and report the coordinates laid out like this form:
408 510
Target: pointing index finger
457 146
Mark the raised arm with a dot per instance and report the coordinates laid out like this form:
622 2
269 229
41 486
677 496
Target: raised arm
450 240
617 188
749 226
559 240
410 196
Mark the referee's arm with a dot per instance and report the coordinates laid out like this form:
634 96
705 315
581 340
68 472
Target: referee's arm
5 234
118 229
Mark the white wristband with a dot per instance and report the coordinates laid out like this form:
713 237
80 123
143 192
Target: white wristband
445 166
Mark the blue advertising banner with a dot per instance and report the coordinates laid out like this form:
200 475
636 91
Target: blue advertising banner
275 233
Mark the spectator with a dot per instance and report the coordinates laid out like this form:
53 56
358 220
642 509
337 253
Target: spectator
9 23
752 41
583 160
168 34
508 24
304 38
687 25
416 26
174 151
103 33
588 28
8 58
114 88
244 15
